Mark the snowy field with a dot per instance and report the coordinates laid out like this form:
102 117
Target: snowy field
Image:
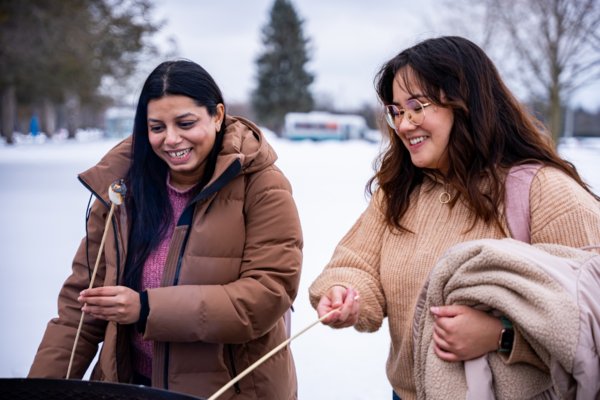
42 222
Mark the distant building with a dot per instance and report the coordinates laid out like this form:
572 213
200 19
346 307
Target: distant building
319 125
119 121
585 124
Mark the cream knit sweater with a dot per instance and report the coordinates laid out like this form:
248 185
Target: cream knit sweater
389 268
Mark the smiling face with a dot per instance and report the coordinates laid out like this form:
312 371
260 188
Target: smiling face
182 134
427 142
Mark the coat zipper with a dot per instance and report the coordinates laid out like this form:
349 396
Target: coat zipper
235 385
186 219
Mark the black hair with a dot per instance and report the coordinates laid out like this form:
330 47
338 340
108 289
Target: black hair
148 205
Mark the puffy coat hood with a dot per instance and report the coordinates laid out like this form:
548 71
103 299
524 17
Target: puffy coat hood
242 141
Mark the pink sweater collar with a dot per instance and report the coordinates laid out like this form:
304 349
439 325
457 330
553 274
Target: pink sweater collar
174 189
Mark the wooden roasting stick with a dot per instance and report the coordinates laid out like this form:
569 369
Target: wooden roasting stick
116 193
267 356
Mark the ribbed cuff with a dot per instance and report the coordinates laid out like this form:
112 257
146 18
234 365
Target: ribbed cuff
140 325
522 352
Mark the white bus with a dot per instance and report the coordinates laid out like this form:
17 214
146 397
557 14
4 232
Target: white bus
119 121
323 125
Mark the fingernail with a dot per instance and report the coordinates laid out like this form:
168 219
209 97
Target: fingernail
84 309
435 310
82 292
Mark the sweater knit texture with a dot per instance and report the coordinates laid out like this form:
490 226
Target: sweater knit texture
389 267
152 275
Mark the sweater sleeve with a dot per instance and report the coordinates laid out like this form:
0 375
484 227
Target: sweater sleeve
562 212
522 352
355 263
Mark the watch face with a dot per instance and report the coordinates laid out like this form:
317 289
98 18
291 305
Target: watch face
508 337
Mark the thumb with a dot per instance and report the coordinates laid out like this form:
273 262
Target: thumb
338 295
446 311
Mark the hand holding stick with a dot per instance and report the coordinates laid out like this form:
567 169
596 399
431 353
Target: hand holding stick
267 356
116 194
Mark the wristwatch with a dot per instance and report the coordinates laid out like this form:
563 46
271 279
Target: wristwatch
507 336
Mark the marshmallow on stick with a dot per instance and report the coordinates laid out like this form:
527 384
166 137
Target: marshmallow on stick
116 194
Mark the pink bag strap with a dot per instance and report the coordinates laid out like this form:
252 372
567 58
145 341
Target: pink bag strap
287 320
516 200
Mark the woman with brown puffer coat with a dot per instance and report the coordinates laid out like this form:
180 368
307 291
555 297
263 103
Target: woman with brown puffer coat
202 261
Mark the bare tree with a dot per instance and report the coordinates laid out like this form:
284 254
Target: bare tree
555 45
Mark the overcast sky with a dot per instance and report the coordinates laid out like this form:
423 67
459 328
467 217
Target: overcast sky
349 41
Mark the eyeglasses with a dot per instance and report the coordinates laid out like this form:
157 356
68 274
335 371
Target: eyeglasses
414 110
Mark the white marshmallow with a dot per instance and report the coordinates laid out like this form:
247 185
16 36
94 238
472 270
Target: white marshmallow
115 197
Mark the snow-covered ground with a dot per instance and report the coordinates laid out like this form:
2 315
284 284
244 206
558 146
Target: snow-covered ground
42 219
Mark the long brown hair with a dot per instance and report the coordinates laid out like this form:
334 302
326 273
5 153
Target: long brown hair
491 133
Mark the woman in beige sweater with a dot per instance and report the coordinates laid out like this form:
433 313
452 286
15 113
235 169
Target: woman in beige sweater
454 132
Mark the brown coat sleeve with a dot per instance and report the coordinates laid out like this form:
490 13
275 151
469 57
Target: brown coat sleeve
270 273
54 353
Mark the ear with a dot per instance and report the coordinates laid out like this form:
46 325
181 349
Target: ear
220 116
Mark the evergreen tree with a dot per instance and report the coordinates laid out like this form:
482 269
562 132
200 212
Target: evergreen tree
282 79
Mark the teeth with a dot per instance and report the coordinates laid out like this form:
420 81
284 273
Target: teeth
179 154
417 140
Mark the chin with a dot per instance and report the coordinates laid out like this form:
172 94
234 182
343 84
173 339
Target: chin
422 164
181 168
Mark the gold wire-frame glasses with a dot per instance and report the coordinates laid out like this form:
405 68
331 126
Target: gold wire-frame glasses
414 110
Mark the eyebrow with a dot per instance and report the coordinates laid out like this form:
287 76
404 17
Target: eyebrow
413 97
185 115
179 117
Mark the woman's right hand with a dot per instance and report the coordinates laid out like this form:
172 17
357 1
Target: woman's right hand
335 297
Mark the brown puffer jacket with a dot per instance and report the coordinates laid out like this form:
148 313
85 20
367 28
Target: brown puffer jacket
232 271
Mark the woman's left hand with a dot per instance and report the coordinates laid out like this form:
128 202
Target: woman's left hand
463 333
112 303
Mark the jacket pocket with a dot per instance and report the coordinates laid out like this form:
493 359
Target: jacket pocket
233 372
